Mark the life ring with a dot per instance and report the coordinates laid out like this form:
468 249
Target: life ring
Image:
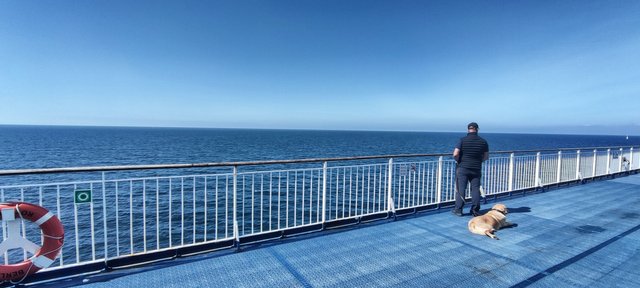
45 255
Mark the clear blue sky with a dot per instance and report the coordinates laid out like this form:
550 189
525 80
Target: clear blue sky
511 66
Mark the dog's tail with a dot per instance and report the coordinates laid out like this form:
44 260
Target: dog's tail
489 233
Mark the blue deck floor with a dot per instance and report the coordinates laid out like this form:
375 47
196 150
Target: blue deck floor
582 235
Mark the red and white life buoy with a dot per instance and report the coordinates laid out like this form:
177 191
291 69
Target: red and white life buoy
52 239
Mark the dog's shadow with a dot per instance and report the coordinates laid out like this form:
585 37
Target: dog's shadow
511 210
520 210
517 210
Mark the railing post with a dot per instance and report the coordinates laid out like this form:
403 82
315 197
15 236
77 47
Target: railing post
390 204
104 213
324 192
608 161
578 174
439 182
595 160
511 168
630 158
236 233
620 156
559 167
538 179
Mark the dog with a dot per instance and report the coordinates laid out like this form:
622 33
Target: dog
490 222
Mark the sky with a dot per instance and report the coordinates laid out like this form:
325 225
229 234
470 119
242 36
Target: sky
567 67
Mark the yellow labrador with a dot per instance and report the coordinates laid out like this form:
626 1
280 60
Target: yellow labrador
490 222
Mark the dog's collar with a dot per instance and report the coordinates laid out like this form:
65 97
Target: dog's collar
503 213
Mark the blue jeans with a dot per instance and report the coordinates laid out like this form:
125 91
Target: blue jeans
465 176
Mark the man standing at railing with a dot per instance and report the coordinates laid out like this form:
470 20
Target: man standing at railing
469 154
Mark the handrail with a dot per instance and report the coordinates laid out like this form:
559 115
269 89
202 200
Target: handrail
254 163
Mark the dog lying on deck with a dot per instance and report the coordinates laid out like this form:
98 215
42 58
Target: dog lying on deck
490 222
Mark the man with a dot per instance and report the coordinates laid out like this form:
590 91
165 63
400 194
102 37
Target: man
469 154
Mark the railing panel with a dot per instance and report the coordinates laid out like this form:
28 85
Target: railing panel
133 214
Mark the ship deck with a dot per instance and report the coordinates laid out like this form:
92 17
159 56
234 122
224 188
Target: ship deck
579 235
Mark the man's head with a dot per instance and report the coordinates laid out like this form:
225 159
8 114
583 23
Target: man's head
472 127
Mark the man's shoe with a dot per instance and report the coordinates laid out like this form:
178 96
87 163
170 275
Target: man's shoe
475 214
457 212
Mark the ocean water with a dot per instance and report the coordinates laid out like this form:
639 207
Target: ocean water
25 147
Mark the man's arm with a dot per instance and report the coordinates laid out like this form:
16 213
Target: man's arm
486 156
456 155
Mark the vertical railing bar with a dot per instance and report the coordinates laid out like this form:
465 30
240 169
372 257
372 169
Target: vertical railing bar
4 229
217 208
357 182
205 209
310 196
337 191
286 223
418 184
23 226
350 189
75 216
130 217
158 213
170 211
620 156
295 199
261 202
324 192
226 206
511 172
235 202
243 202
144 214
181 210
368 186
270 200
59 212
390 204
373 190
279 196
608 161
578 174
439 182
193 196
380 193
93 232
253 193
595 159
318 213
117 221
302 205
344 189
559 171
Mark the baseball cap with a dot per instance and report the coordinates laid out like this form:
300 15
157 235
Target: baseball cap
472 125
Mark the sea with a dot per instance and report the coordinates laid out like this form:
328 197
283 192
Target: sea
30 147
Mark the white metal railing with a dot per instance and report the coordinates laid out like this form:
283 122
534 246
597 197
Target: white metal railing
141 214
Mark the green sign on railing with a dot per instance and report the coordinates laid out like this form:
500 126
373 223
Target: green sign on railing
82 196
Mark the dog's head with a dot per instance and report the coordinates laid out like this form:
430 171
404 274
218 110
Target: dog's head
500 208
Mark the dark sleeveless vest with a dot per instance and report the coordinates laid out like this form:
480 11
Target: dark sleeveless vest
472 151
